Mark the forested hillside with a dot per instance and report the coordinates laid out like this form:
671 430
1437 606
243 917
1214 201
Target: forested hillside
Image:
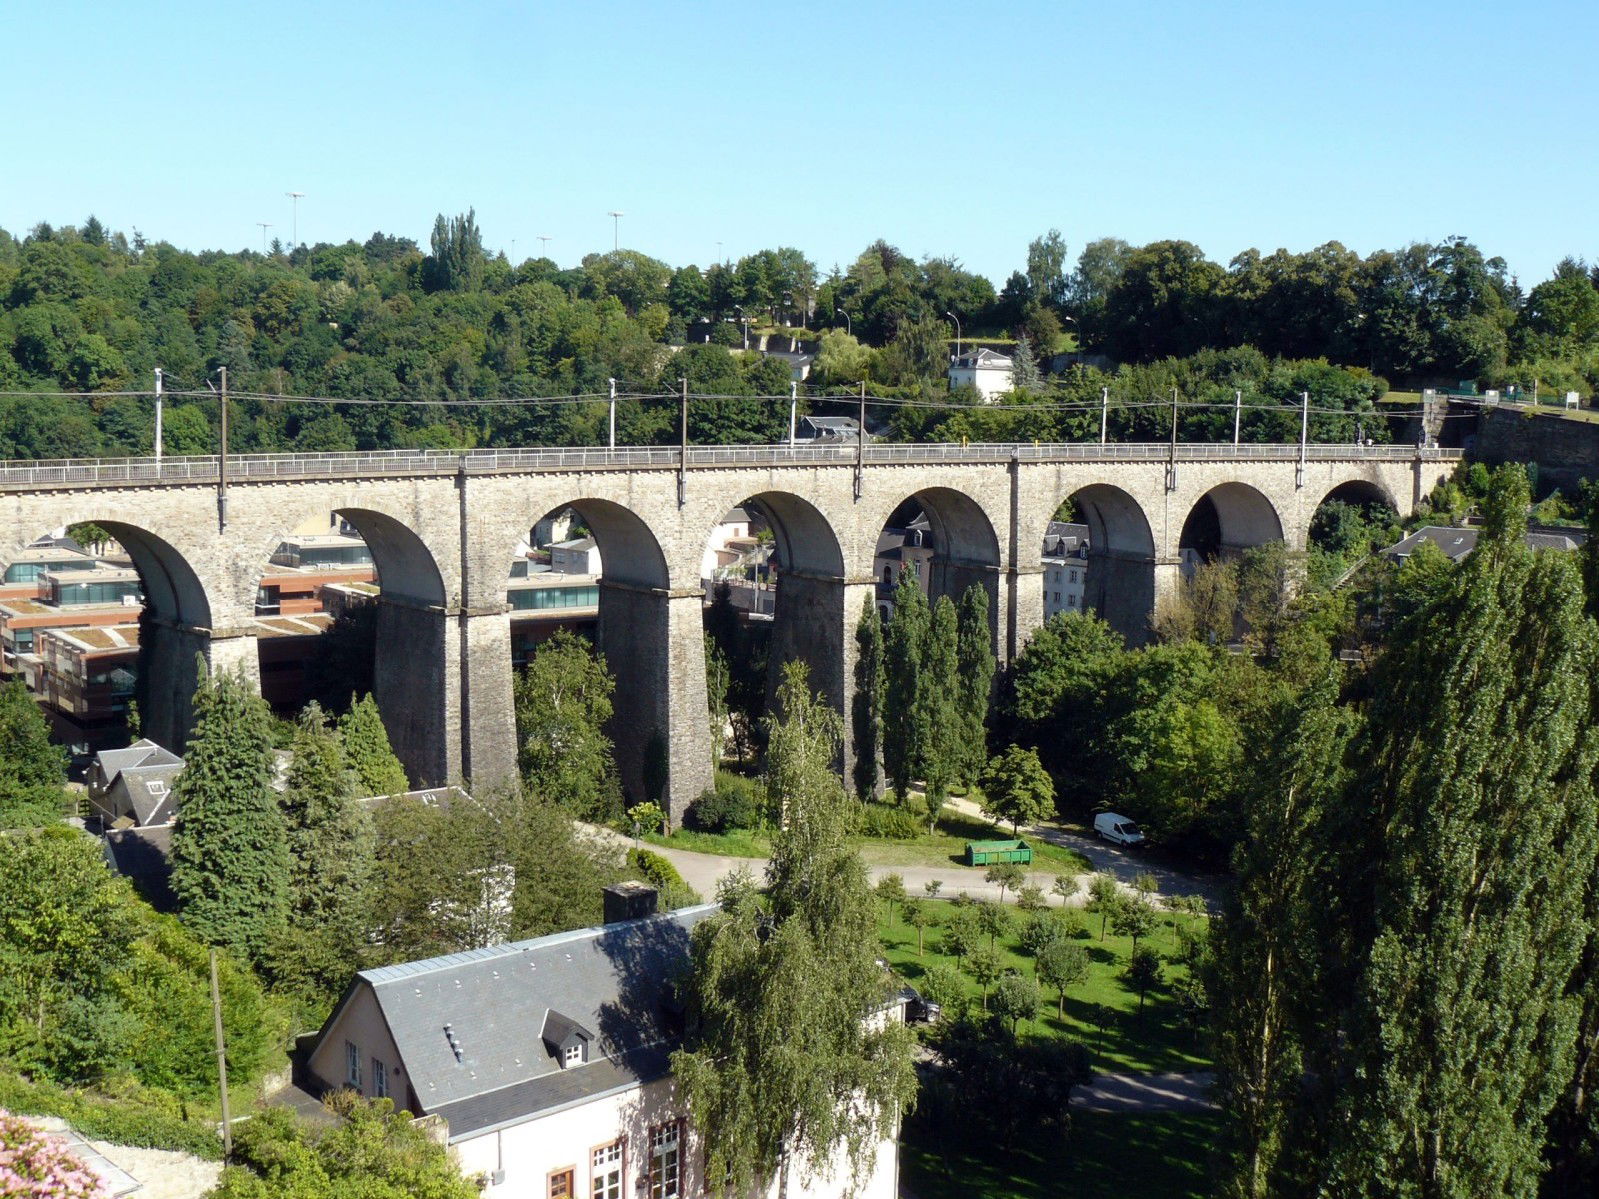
86 309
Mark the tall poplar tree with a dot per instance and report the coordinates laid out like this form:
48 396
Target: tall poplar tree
330 862
974 662
1264 965
368 752
904 735
938 699
1479 781
783 1069
230 857
866 708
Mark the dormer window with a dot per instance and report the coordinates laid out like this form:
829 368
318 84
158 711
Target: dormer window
566 1039
573 1055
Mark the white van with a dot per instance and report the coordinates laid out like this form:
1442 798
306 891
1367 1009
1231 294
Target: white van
1118 830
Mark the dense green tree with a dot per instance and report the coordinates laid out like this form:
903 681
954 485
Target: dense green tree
230 856
330 863
369 1151
974 665
1017 788
32 769
563 701
866 705
367 752
1479 771
95 985
1016 998
905 733
1163 303
782 1069
717 681
944 751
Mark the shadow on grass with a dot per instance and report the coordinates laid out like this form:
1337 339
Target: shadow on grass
1164 1155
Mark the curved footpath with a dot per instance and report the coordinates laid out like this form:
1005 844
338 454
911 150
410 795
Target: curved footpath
703 871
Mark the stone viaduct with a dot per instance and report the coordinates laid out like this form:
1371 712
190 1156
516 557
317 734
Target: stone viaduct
442 527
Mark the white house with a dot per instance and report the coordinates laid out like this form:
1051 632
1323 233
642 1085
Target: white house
547 1062
1065 567
990 373
579 557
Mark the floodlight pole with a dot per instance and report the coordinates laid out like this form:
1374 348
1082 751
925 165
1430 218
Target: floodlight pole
613 413
1104 412
793 413
1238 412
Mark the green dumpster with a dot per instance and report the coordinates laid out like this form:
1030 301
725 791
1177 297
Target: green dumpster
986 853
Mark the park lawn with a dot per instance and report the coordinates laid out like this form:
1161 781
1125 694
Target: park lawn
735 843
1154 1155
947 847
1102 1013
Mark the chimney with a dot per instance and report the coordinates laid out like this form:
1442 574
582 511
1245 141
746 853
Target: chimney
629 901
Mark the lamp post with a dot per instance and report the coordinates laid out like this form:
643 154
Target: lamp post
745 321
294 227
616 229
849 325
957 321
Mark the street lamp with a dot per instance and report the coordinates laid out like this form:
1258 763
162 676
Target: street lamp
616 227
849 325
746 322
957 321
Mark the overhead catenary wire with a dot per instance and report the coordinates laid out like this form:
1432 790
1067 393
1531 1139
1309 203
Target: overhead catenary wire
874 401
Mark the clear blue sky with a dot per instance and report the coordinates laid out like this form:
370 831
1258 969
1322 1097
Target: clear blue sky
948 128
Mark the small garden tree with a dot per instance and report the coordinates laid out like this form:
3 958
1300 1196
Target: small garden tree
918 917
985 965
994 920
1007 876
1136 920
891 890
1016 998
1017 788
1104 898
1062 965
1143 972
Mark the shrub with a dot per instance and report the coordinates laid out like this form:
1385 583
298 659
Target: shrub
888 823
735 803
128 1115
661 874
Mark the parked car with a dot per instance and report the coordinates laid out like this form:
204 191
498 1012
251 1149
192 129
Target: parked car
1118 830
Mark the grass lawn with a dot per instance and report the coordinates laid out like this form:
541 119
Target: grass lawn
1160 1155
1102 1013
736 843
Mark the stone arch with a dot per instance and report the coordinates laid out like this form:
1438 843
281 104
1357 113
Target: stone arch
810 615
1118 582
1361 491
651 638
406 567
175 625
966 547
1228 519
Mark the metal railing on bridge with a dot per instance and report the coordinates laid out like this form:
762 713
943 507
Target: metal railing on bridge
247 468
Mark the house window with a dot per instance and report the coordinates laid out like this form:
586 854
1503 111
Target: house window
380 1079
888 575
561 1184
573 1055
156 787
1071 601
605 1170
1057 597
666 1162
1074 576
352 1064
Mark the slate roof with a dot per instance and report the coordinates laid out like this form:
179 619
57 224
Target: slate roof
142 752
1457 543
1063 538
144 857
983 359
612 979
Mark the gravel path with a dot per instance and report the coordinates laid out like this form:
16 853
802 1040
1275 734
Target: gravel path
1124 1093
160 1174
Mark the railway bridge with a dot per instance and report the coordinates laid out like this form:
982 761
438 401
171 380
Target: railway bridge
442 526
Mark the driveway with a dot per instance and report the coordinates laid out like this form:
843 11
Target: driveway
1146 1093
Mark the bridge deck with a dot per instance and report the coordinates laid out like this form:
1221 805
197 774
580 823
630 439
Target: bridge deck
245 468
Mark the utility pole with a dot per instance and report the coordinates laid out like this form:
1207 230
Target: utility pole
1104 412
1238 412
1171 466
544 245
613 412
793 412
265 225
1304 435
222 458
860 444
158 416
616 229
682 452
222 1061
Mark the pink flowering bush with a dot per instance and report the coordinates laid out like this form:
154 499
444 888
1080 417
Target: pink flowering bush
34 1165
